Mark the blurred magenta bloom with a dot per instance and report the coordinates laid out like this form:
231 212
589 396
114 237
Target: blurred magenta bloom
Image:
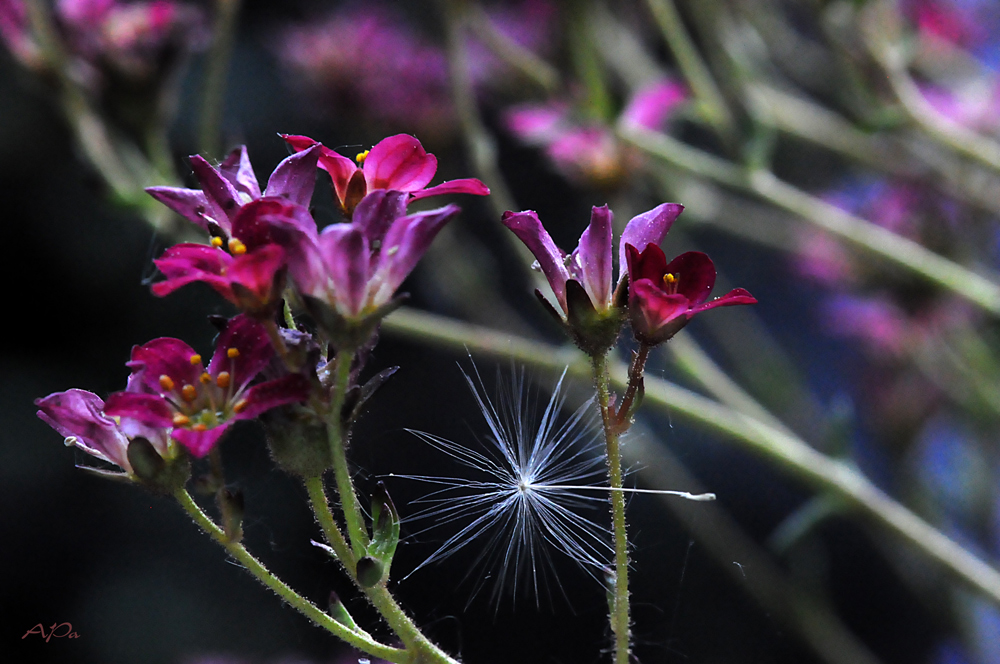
136 40
397 163
590 264
356 267
531 24
366 61
664 297
589 151
170 386
80 417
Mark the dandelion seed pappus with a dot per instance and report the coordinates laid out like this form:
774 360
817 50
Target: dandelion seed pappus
535 498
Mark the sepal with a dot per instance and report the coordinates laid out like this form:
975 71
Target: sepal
338 612
107 474
385 529
232 507
592 330
345 332
153 471
358 395
298 441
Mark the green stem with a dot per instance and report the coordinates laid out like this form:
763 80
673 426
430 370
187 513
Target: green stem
620 621
335 538
780 447
357 639
338 453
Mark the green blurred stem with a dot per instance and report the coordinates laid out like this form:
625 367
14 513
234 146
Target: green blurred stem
897 249
620 620
782 448
523 60
216 69
692 66
357 639
338 453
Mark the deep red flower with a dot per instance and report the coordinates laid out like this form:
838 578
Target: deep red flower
398 162
170 386
663 296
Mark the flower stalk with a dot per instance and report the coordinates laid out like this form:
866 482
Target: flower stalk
620 618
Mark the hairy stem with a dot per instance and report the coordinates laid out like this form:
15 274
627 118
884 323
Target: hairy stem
335 538
620 620
357 639
338 452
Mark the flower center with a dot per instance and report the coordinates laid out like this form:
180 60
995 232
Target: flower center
670 282
206 402
361 156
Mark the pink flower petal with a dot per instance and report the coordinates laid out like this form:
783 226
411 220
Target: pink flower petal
399 162
527 227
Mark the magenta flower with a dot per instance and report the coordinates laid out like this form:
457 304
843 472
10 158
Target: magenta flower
590 264
588 151
170 386
663 296
227 189
356 267
249 268
398 162
80 417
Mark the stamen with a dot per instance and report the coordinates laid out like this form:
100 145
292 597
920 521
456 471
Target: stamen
189 392
195 359
205 378
669 278
216 242
166 382
200 427
240 406
222 380
236 247
232 353
181 419
361 156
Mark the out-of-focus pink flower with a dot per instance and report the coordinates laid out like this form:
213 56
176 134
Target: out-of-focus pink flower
368 62
877 321
134 39
170 386
531 24
397 163
589 151
664 297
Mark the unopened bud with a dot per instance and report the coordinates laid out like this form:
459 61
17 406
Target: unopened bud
369 571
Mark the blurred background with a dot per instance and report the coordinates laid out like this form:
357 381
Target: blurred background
839 159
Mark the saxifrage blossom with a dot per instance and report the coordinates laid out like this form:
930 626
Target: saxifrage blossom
356 267
171 387
226 189
398 162
249 268
80 417
582 281
663 296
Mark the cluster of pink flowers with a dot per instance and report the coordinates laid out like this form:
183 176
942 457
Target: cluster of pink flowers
133 40
263 241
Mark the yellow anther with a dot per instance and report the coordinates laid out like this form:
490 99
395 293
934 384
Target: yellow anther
236 247
361 156
669 278
232 353
180 420
195 359
222 380
166 382
205 378
216 242
240 406
189 392
200 427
